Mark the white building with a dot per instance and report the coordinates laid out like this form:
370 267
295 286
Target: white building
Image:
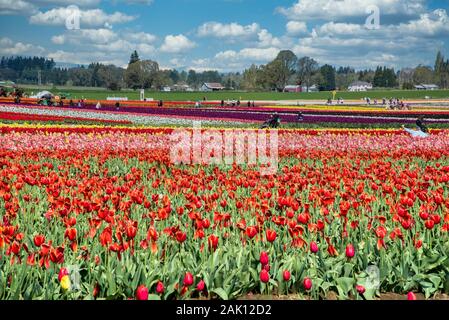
430 87
312 88
292 88
207 87
360 86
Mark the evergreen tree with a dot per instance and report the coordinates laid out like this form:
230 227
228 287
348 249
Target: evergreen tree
134 57
328 78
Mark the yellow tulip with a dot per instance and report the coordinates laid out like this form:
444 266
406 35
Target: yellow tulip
65 283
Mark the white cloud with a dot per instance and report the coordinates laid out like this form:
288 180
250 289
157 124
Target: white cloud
61 39
177 44
91 17
17 7
142 37
9 47
249 54
230 31
266 39
147 2
336 9
80 3
177 63
86 37
84 58
435 23
295 28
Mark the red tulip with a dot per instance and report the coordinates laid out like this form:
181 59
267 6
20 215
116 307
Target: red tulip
307 284
205 223
160 287
62 272
264 276
429 224
264 258
181 236
39 240
350 251
286 275
251 232
188 279
131 232
142 293
271 235
71 234
200 286
360 289
411 296
313 247
213 242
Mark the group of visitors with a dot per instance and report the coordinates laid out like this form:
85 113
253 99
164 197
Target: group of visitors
396 104
391 104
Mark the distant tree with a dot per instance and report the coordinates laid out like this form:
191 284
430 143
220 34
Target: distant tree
289 60
141 74
274 75
328 74
385 78
162 79
251 78
134 57
423 75
407 86
441 71
366 75
306 68
192 78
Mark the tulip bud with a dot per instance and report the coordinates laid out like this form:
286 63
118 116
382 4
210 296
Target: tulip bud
62 272
142 293
264 258
160 288
307 284
188 279
264 276
200 286
65 282
360 289
313 247
350 251
411 296
286 275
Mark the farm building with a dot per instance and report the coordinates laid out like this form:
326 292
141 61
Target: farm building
430 87
181 87
206 87
312 88
360 86
292 88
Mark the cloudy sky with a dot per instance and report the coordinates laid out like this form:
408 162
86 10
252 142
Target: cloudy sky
227 35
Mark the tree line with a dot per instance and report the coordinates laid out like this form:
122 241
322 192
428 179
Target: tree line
285 69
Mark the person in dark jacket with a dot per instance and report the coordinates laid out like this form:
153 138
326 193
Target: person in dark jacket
420 125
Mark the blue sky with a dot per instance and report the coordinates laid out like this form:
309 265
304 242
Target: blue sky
227 35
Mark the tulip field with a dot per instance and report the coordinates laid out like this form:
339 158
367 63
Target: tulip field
101 212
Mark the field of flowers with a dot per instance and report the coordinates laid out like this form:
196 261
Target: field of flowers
96 212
